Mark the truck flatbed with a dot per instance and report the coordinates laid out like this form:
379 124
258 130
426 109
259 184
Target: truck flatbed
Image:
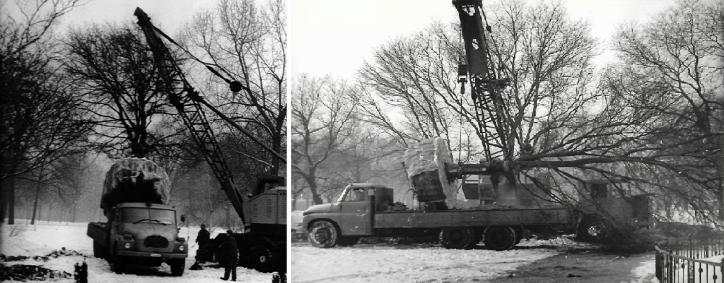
475 218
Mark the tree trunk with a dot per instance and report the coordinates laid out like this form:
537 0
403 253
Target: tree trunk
721 180
37 194
11 201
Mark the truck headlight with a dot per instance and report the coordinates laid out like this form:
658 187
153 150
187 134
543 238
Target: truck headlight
127 245
181 248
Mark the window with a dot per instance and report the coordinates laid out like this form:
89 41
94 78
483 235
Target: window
357 194
140 215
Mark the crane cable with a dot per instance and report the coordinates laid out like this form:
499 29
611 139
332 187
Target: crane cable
234 84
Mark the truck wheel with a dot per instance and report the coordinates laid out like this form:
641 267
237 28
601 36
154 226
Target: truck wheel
457 238
347 241
323 234
119 264
177 266
499 238
261 258
98 250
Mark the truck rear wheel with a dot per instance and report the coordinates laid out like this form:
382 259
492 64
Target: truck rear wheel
499 238
458 238
177 266
261 258
323 234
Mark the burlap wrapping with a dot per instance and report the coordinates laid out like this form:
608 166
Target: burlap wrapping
425 166
135 180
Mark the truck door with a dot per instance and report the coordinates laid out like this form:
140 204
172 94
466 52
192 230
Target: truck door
354 212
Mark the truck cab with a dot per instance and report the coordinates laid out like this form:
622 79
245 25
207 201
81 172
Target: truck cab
142 233
353 212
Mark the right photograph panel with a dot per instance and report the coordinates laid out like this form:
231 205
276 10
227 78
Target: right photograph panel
506 141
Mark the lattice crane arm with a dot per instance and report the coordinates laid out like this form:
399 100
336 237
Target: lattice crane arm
188 103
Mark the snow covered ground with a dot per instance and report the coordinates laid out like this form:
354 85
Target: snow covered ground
43 238
424 263
368 263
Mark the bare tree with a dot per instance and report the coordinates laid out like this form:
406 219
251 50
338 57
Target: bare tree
247 42
324 115
114 71
39 116
671 78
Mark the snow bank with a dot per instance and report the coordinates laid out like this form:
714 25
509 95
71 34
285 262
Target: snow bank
43 238
366 263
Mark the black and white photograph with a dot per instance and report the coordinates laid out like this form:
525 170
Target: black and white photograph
506 141
325 141
143 141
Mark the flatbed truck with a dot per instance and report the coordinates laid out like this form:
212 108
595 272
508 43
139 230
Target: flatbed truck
367 210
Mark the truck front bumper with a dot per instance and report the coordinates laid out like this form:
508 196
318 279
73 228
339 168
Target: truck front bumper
152 255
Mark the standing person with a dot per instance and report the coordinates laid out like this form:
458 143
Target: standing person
203 237
229 252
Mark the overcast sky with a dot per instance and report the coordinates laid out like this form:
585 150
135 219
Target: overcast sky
168 15
335 36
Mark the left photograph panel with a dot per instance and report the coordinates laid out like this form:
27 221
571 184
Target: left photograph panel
143 141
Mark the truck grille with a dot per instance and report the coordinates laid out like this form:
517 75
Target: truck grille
155 242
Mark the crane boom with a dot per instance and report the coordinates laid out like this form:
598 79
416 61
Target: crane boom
485 83
188 103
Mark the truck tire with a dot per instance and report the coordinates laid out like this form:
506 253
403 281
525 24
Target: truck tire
98 250
499 238
118 265
261 258
177 266
347 241
457 238
323 234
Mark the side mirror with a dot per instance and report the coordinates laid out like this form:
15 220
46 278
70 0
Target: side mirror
183 217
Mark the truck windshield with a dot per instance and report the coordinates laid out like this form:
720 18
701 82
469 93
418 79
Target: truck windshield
138 215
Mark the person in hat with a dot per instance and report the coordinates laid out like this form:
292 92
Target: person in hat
203 237
228 251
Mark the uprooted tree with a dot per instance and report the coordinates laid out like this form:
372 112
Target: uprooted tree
654 120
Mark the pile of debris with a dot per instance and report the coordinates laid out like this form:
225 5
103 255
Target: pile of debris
53 254
22 272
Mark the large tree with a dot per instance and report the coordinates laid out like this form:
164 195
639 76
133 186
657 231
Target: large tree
671 80
324 119
658 114
247 41
113 69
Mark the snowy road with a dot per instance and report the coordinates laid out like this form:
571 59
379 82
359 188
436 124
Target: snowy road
369 263
43 238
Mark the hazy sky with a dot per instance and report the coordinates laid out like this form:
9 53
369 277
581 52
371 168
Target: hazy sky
334 36
168 15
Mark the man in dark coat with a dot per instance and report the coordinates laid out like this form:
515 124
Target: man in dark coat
229 253
203 237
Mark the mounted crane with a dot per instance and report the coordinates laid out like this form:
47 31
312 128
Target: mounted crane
263 209
368 210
